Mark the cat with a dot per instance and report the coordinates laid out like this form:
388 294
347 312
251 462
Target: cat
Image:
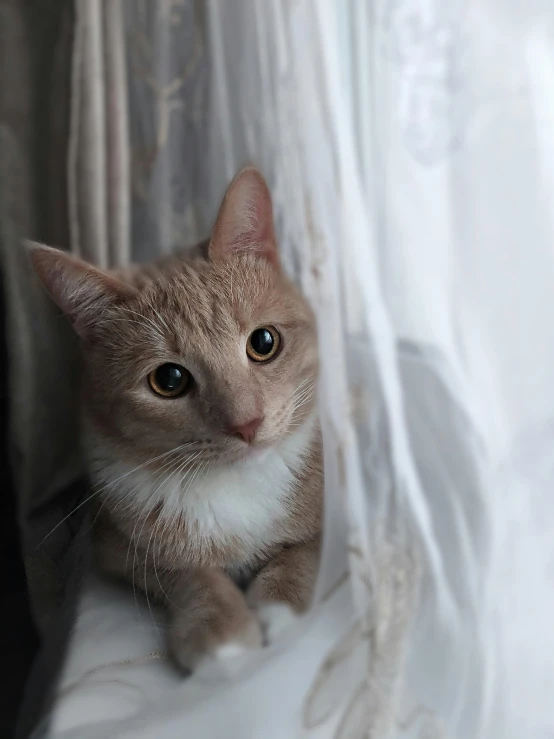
201 428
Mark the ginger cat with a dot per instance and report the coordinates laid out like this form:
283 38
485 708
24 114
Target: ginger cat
201 428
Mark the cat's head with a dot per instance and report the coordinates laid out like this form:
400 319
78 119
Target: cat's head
214 357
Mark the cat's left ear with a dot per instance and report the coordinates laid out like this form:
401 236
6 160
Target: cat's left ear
82 291
244 224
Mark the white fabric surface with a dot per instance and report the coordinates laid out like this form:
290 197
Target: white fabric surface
116 684
408 146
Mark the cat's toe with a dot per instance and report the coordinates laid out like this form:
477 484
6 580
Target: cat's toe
275 620
222 661
209 654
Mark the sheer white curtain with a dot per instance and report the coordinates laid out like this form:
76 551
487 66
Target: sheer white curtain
407 146
411 162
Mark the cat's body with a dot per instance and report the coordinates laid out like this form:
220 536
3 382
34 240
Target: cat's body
209 495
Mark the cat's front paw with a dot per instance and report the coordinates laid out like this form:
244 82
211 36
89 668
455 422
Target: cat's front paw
223 660
209 621
275 619
208 650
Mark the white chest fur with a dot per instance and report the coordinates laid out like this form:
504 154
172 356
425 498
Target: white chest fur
245 501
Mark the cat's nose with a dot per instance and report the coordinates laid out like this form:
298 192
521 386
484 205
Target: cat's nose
247 431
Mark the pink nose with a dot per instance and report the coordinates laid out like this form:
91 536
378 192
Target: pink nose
246 431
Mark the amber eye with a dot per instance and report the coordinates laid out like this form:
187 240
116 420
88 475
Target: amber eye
263 344
170 380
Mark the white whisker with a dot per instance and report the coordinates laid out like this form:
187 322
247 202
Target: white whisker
107 485
159 316
157 529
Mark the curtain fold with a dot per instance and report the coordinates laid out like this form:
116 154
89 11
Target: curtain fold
169 85
99 156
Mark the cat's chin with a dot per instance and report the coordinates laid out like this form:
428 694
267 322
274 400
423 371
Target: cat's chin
257 452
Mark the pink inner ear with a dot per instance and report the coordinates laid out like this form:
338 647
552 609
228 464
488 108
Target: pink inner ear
253 217
245 220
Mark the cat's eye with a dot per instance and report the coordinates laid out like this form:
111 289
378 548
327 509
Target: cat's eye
170 380
263 344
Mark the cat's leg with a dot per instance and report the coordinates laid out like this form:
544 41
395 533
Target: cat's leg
209 619
284 587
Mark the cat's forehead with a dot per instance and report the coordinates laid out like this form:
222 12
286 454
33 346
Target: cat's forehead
202 300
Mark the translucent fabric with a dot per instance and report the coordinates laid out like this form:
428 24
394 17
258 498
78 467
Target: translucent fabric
407 144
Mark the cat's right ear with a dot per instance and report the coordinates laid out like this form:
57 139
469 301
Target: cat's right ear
244 223
83 292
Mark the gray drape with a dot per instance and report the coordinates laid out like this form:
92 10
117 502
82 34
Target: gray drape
103 139
35 44
64 180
